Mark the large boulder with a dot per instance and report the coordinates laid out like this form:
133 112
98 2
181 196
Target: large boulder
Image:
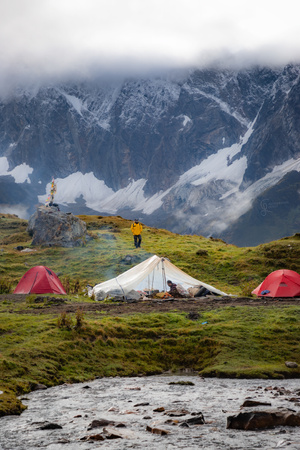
50 227
263 419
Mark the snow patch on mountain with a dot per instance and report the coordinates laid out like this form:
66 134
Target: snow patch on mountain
96 194
238 203
79 185
220 165
186 120
221 104
19 173
124 198
75 102
151 204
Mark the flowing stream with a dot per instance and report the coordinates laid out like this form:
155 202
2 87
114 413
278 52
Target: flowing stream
132 402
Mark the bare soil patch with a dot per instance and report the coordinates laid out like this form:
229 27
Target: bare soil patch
56 305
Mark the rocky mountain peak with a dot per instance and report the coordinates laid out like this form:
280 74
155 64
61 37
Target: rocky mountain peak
189 152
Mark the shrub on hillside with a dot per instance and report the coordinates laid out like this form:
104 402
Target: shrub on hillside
5 286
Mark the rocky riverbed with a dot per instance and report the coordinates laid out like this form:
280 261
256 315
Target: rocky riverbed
156 412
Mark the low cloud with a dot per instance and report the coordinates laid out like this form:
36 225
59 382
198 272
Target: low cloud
53 39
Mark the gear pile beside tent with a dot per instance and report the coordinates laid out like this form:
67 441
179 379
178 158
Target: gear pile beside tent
148 276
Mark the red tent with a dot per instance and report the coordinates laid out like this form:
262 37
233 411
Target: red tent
39 280
281 283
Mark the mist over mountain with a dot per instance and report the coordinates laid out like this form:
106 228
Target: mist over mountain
213 152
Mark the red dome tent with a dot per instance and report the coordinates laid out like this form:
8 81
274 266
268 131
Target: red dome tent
39 280
281 283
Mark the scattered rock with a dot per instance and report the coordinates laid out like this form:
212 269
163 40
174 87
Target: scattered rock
39 387
113 433
197 420
263 419
141 404
291 364
249 403
172 421
157 431
176 413
120 425
93 437
100 423
51 426
160 409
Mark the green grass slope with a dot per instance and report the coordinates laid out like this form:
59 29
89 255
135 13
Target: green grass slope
235 270
53 349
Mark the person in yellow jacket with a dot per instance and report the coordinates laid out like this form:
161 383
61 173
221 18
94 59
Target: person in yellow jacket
136 228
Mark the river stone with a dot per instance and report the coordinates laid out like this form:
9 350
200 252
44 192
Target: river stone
114 433
93 437
263 419
197 420
248 403
159 431
39 387
49 227
100 423
51 426
291 364
111 433
176 412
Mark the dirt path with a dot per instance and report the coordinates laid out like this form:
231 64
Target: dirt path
56 305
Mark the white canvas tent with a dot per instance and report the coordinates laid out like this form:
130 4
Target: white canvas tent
150 274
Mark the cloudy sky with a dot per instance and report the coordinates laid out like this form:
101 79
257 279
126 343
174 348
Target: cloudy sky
54 38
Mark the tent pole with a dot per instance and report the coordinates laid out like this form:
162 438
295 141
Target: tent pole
121 288
163 275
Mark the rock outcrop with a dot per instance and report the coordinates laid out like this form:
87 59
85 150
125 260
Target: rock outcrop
213 152
50 227
263 419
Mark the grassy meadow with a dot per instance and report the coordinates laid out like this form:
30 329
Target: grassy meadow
234 270
41 347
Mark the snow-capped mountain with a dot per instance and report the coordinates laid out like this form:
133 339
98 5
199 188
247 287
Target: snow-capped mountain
202 152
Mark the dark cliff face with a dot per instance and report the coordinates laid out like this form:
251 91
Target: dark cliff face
155 130
276 131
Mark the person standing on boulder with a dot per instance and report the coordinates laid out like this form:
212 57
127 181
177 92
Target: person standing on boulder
136 228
